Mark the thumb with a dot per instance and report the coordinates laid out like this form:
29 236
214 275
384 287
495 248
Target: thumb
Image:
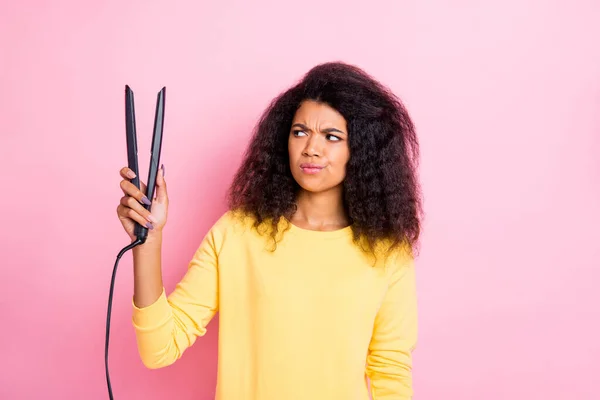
161 186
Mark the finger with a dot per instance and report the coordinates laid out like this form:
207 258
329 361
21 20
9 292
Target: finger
161 186
120 211
126 212
127 173
138 193
142 189
130 202
129 189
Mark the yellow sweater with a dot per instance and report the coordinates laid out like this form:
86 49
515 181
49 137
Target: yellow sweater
310 321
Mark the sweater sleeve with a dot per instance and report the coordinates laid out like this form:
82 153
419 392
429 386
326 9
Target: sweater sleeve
389 363
166 328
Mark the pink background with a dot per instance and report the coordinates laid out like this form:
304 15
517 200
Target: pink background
506 97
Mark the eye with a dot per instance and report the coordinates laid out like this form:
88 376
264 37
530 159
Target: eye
299 133
333 138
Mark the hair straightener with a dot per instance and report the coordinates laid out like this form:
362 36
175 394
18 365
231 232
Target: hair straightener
141 232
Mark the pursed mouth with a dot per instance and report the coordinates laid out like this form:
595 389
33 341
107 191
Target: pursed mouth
311 168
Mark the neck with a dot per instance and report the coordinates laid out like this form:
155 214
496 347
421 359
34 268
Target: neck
320 211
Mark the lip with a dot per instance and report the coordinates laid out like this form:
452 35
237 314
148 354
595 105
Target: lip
311 168
309 165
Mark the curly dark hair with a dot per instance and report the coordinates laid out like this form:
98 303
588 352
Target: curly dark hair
381 190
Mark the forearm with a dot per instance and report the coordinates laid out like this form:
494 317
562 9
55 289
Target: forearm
147 273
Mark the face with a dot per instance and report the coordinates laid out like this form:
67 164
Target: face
318 147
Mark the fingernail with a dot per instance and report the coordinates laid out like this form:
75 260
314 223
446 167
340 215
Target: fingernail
163 168
146 201
149 226
151 218
130 174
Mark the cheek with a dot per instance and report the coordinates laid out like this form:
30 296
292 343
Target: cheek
340 157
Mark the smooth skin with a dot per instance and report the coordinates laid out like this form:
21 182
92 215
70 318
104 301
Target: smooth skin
147 273
318 136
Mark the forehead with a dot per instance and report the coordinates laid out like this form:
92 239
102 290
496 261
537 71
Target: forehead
311 112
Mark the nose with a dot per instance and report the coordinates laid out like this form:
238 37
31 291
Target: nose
312 148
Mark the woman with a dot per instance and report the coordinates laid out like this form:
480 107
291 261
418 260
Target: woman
311 269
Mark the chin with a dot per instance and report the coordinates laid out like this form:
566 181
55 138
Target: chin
313 187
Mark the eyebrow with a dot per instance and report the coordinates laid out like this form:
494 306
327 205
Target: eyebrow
326 130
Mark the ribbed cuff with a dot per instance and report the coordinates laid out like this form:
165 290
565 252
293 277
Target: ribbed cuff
153 316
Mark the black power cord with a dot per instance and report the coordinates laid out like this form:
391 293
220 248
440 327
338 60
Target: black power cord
110 296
